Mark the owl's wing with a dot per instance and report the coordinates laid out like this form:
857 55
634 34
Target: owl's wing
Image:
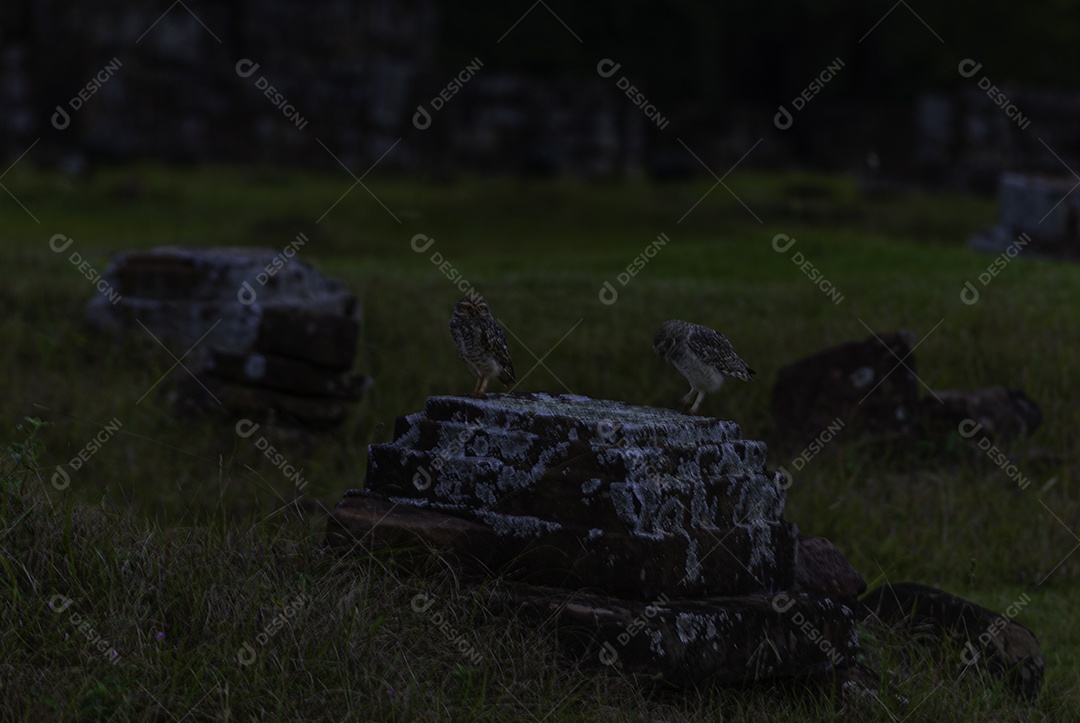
714 349
495 342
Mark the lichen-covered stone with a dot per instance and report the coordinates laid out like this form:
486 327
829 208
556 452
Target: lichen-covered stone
284 374
852 389
183 295
989 641
631 500
262 333
822 570
1000 414
672 524
712 639
536 550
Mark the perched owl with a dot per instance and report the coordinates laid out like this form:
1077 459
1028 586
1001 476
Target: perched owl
481 343
701 355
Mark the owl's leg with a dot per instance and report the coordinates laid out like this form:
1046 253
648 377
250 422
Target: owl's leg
697 402
482 385
686 397
476 387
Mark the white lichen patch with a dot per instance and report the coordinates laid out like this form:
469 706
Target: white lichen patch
448 488
693 564
485 492
518 526
636 423
694 627
656 642
410 501
511 478
412 433
762 553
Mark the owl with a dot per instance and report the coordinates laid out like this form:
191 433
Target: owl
481 343
701 355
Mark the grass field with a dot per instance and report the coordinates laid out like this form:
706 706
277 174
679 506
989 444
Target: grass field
172 542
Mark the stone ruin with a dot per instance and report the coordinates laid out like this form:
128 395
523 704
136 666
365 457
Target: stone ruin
267 335
860 389
1037 214
656 540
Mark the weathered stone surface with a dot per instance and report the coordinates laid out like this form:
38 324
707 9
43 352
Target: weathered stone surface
712 639
284 374
182 295
991 641
369 521
821 569
857 684
669 527
320 337
1001 414
265 333
856 388
1037 214
528 548
582 492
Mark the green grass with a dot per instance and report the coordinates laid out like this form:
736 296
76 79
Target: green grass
180 526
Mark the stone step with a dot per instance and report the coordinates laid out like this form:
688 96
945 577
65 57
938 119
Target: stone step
571 495
717 639
326 338
740 559
575 418
450 439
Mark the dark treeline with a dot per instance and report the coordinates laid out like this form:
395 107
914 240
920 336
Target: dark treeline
708 52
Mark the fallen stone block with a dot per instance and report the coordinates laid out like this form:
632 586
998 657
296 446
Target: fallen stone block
997 413
822 570
325 338
265 334
694 641
989 641
284 374
854 389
